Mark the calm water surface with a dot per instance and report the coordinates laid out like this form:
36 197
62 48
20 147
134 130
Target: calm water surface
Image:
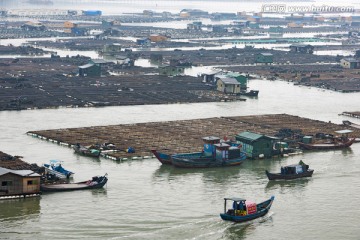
144 200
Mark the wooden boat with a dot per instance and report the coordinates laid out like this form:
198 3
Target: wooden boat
244 210
348 123
94 183
162 157
55 168
214 154
199 160
327 146
82 150
294 171
251 93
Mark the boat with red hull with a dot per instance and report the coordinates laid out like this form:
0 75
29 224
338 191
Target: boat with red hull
327 146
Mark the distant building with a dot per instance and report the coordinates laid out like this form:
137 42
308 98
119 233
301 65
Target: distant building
209 77
112 49
156 57
148 13
240 78
168 70
143 42
350 63
219 29
69 24
253 25
92 13
157 38
30 26
18 182
228 85
295 25
302 48
264 58
319 18
105 23
90 70
193 13
276 32
194 26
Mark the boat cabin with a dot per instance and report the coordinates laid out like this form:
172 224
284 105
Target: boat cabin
294 169
209 149
240 207
225 151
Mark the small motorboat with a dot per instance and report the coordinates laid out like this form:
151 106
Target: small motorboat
55 168
243 210
82 150
94 183
291 172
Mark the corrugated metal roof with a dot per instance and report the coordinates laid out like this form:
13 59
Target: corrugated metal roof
350 59
229 81
250 136
99 61
23 173
266 54
86 65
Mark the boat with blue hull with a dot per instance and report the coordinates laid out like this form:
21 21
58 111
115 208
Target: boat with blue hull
243 210
55 168
216 153
162 157
198 160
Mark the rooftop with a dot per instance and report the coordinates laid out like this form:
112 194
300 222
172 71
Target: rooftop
229 80
23 173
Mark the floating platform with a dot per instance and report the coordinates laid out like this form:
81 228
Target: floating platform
181 136
351 114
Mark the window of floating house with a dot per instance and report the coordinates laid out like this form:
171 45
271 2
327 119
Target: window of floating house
31 182
6 183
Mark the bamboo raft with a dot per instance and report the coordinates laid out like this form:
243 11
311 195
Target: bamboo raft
181 136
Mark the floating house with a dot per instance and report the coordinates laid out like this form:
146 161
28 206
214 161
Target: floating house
30 26
264 58
110 49
194 26
209 77
256 145
18 182
157 38
90 70
240 78
92 13
168 70
228 85
350 63
295 25
276 32
302 48
143 41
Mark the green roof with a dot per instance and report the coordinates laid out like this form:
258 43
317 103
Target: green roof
249 136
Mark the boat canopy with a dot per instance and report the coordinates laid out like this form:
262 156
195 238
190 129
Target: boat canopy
235 199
